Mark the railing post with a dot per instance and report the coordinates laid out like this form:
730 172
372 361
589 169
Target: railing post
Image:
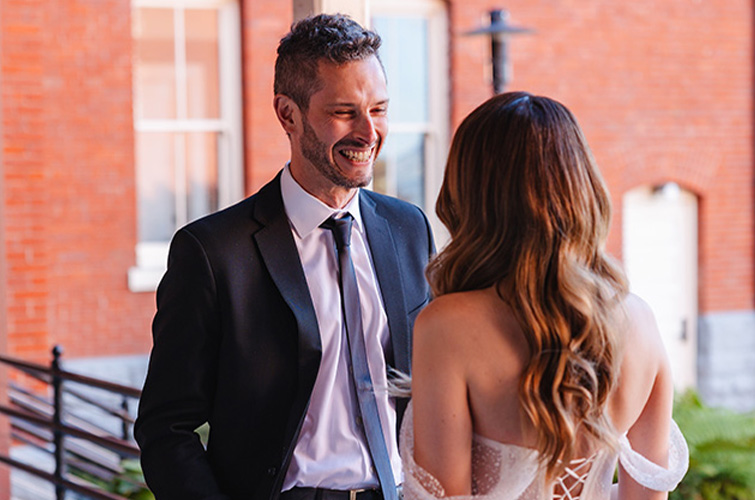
124 422
57 419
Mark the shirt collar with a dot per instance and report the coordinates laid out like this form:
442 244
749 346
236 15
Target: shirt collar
305 212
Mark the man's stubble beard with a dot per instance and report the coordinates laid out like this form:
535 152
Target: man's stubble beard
314 150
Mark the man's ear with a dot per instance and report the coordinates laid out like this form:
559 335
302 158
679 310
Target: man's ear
288 113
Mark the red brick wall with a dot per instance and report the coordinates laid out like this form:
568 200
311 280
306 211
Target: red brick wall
663 91
266 147
21 90
69 179
4 421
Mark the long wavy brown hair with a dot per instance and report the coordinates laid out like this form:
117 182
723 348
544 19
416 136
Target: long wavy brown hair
528 212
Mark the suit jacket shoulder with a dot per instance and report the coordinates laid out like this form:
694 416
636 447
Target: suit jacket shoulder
405 219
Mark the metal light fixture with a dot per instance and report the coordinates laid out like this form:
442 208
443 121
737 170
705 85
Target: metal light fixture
668 191
499 30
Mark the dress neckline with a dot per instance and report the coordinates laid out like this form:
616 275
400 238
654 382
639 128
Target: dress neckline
526 450
499 444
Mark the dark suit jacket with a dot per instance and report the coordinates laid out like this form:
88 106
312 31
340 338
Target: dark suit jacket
236 343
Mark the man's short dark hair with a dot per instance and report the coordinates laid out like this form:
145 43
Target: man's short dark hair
333 38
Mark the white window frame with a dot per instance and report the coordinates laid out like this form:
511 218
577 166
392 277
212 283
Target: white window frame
436 129
151 257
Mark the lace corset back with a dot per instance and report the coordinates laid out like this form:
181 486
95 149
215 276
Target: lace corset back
508 472
504 471
571 483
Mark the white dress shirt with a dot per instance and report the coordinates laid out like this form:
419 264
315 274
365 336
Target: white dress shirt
331 451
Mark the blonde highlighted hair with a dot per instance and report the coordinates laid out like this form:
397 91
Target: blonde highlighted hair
528 212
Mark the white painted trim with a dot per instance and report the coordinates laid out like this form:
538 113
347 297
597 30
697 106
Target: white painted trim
151 263
412 127
407 7
187 4
194 125
231 105
142 279
179 180
152 254
179 56
440 114
358 10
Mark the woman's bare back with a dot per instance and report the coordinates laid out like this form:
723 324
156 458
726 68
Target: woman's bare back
470 352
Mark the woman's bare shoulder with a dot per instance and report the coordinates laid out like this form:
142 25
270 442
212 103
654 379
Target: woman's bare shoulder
467 326
462 313
644 363
642 335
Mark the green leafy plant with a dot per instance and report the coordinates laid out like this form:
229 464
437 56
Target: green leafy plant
722 451
128 484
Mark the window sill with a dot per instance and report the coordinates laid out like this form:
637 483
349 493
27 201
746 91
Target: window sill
144 279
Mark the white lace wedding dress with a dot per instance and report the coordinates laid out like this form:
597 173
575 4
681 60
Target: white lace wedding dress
508 472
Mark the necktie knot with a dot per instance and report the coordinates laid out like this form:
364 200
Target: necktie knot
341 229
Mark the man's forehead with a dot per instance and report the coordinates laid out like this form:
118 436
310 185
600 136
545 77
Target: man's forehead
337 82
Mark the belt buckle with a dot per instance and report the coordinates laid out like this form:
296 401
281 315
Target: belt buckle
353 493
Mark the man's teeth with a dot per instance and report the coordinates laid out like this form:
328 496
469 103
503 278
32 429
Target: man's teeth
357 156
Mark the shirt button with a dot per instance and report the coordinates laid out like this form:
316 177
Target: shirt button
359 421
271 471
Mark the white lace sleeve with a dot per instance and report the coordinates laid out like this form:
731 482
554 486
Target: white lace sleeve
652 475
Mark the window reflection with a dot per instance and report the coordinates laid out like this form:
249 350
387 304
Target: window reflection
155 185
202 174
202 64
400 168
405 57
177 82
154 63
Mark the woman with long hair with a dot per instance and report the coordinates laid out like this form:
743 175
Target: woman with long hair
534 368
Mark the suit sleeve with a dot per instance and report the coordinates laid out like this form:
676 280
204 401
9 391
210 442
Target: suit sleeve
179 388
430 238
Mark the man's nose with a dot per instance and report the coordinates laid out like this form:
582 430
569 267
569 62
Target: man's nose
365 129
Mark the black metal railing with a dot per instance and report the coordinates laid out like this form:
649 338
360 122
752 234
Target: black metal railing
68 419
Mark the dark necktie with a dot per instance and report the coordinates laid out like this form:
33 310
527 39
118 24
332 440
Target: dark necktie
360 372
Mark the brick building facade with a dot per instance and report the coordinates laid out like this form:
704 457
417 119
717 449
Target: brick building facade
663 90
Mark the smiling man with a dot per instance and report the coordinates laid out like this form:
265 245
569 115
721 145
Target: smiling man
279 318
334 110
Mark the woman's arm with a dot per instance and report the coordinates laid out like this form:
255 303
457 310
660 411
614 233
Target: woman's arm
442 419
649 434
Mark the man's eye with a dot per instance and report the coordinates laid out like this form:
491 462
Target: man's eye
344 112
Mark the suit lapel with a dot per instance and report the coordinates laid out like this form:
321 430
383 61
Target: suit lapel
278 250
385 258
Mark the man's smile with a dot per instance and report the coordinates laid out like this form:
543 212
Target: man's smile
358 155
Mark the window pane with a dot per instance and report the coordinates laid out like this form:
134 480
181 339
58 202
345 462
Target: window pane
155 180
400 169
380 182
405 56
202 63
154 65
202 174
410 161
